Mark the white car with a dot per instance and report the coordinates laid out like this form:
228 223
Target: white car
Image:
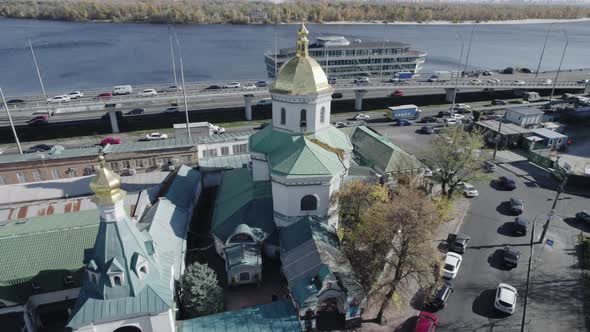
451 121
232 85
155 136
519 82
148 93
452 265
469 190
428 172
586 81
361 80
476 82
265 101
216 129
506 298
547 82
59 99
493 81
458 116
250 86
361 116
75 95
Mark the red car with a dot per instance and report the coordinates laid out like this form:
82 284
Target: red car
106 95
110 140
427 322
38 118
397 93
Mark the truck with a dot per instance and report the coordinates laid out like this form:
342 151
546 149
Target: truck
531 96
401 76
407 112
440 76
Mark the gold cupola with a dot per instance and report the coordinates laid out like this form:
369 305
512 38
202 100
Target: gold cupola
106 185
302 75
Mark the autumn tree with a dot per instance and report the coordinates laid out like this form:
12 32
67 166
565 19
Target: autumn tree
457 155
355 197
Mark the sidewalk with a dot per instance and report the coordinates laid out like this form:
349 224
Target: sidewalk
401 311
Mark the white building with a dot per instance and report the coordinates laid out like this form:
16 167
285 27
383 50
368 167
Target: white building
526 117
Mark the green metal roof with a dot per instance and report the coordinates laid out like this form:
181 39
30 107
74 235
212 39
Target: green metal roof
335 138
239 254
225 162
279 316
181 191
379 153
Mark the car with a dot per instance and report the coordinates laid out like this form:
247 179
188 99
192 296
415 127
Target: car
461 108
155 136
232 85
520 226
397 93
172 88
75 95
583 216
122 90
442 114
586 81
451 122
216 129
499 102
213 87
104 95
507 182
262 84
361 80
519 82
172 109
451 265
15 101
469 190
332 80
492 81
516 205
37 118
489 166
1 151
459 117
59 99
265 101
510 256
250 86
38 122
506 296
426 322
508 70
136 111
39 148
110 140
402 122
547 82
441 296
457 243
336 95
428 173
487 73
339 124
427 130
428 119
361 116
476 82
148 93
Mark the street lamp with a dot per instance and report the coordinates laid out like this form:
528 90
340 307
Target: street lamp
20 149
469 48
188 129
458 70
543 51
567 40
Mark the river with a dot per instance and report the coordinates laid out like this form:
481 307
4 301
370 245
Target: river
87 55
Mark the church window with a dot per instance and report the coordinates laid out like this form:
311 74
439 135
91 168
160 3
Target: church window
283 116
244 276
323 115
309 203
143 269
303 117
117 280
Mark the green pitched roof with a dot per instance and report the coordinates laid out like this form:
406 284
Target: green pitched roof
379 153
335 138
279 316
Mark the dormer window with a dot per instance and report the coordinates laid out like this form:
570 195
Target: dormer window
115 273
117 280
139 265
92 271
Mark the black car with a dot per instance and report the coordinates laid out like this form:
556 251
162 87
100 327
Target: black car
136 111
499 102
511 256
583 216
507 182
262 84
516 205
442 114
336 95
15 101
458 242
427 130
39 148
520 226
439 301
213 87
428 119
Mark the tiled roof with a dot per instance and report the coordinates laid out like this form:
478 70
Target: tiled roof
378 152
279 316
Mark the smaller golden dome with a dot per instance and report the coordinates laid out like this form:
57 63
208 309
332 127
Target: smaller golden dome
106 185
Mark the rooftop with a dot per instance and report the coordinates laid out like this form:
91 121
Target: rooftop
507 128
225 162
548 133
526 110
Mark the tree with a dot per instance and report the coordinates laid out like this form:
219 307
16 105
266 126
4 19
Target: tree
201 294
457 153
355 197
390 245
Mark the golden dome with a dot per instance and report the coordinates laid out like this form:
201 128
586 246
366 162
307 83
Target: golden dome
106 185
302 75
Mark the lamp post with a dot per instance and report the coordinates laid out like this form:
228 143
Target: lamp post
498 137
567 40
173 62
188 129
543 51
37 68
469 48
457 76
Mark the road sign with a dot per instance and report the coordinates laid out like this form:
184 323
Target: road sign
549 242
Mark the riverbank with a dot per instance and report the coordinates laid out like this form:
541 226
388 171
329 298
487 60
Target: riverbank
499 22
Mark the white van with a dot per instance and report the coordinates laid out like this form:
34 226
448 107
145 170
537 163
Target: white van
122 90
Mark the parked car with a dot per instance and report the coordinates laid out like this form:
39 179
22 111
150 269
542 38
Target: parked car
136 111
547 82
172 88
507 182
39 148
361 80
510 256
493 81
262 84
155 136
59 99
397 93
172 109
427 322
110 140
104 95
216 129
250 86
15 101
519 82
520 226
586 81
489 166
458 243
499 102
213 87
232 85
361 116
451 265
428 119
442 114
583 216
459 117
75 95
336 95
441 296
469 190
505 298
402 122
148 93
451 122
428 172
265 101
427 130
516 205
476 82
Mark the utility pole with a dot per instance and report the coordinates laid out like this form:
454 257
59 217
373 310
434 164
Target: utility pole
469 48
528 278
560 189
457 76
20 149
543 51
383 50
37 68
188 129
173 62
567 40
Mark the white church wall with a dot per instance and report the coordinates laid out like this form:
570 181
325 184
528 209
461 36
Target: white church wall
260 171
293 106
287 199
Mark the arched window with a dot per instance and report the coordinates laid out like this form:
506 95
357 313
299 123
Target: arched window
128 329
323 115
117 280
309 203
283 116
303 117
